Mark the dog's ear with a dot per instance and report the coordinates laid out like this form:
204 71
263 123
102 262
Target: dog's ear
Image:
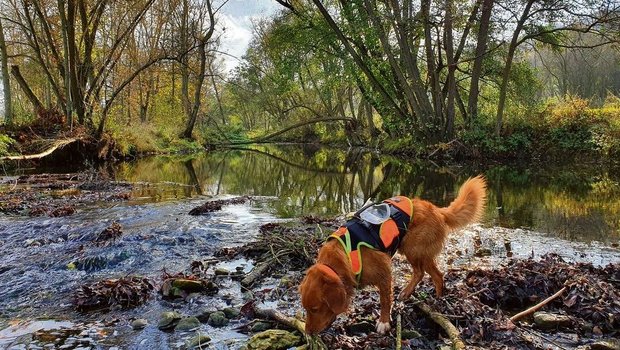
334 294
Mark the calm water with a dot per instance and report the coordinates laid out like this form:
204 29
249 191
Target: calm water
573 202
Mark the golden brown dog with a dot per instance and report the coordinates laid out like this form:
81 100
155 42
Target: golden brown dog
329 284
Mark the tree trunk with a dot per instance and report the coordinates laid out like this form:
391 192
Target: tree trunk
38 106
481 47
6 85
506 72
451 83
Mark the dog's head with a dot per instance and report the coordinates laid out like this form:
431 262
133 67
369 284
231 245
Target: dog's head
324 297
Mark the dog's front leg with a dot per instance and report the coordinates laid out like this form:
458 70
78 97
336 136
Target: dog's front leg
385 295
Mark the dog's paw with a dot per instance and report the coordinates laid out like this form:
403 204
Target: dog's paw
383 327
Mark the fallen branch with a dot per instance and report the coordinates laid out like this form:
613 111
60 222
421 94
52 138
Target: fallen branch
314 342
399 335
536 307
256 273
56 145
443 322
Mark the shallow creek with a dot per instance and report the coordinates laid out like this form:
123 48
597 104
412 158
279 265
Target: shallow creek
573 212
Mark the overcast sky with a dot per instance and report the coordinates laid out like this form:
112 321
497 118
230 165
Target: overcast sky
237 17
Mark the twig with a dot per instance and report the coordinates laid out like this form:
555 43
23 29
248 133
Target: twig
533 309
399 335
443 322
258 271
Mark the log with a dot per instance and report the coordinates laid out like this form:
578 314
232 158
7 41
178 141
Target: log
536 307
56 145
443 322
256 273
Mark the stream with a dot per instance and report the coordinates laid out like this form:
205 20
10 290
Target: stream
571 210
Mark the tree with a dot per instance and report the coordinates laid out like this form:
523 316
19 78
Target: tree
6 85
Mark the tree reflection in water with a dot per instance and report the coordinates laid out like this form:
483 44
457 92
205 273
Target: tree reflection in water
567 201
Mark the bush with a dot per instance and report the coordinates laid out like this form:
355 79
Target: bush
5 144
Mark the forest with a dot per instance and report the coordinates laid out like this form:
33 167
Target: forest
498 79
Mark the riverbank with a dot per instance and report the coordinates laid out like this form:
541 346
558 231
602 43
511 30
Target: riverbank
149 230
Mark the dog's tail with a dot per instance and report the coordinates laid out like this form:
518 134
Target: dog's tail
468 205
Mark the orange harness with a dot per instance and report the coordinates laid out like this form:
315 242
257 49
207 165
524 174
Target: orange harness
386 237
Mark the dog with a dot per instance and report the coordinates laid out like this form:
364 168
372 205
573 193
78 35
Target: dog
329 284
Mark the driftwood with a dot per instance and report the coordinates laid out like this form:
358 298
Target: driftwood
314 342
443 322
256 273
56 145
536 307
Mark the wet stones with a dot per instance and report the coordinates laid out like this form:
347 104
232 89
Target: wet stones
169 320
187 324
217 319
273 339
139 323
183 287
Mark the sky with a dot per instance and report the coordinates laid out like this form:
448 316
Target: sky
237 17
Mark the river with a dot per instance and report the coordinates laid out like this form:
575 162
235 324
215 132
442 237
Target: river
569 205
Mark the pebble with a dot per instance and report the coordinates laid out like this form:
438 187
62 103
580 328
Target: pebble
217 319
220 271
139 323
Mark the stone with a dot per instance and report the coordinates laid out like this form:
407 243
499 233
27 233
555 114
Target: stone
273 339
188 285
198 342
217 319
168 320
187 324
260 326
606 344
204 314
547 320
231 312
139 323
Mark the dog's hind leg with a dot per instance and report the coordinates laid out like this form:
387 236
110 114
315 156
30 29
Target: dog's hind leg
418 274
436 275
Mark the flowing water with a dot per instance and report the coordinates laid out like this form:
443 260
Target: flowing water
562 204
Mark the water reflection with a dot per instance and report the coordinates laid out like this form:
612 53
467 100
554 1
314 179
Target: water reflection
570 202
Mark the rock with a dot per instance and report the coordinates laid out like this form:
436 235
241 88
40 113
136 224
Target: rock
168 320
187 324
220 271
139 323
198 342
273 339
203 316
217 319
260 326
410 334
606 344
31 243
361 327
188 285
231 312
547 320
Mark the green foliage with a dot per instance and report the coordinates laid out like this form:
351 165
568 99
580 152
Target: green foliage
5 144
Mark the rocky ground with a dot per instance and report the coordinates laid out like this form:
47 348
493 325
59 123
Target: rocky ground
486 285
